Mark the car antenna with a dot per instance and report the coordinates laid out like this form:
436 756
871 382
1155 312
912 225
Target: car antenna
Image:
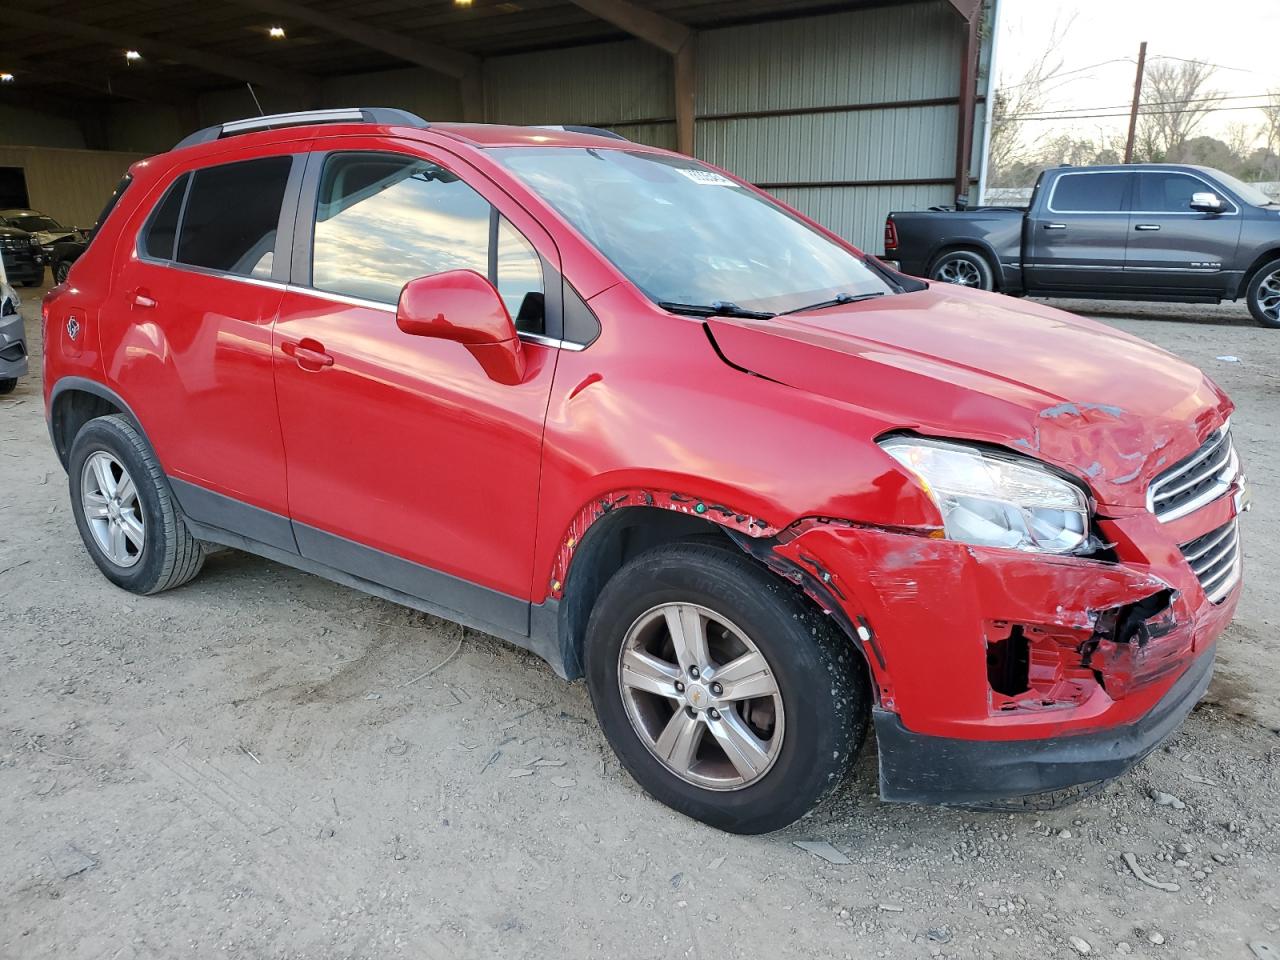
261 112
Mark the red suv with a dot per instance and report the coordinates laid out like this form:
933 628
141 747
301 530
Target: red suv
627 411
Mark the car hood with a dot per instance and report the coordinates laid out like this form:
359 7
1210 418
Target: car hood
46 237
1108 407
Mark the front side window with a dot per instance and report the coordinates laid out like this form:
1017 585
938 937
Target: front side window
232 214
1168 192
1090 193
685 234
384 219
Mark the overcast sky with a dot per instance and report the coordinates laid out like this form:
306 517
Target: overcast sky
1241 36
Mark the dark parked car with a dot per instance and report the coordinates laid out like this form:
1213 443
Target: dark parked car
44 229
62 255
1143 232
23 261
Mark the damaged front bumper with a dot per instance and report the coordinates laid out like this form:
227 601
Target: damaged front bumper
1002 674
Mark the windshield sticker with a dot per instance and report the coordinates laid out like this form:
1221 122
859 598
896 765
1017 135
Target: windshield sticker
708 178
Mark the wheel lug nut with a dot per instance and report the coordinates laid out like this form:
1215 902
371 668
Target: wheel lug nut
713 713
693 714
716 689
679 687
693 672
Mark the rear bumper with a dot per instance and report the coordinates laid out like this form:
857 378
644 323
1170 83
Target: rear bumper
918 768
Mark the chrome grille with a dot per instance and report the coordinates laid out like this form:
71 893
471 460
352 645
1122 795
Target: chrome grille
1195 480
1215 558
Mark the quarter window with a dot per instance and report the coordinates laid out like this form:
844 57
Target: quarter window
385 219
232 215
162 229
1090 193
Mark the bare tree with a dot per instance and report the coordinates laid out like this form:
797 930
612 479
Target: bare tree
1271 131
1018 98
1176 99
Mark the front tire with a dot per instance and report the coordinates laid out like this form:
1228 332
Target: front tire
964 268
60 271
124 510
723 692
7 385
1264 295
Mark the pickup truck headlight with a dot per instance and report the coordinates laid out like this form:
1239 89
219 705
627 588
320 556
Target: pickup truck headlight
994 499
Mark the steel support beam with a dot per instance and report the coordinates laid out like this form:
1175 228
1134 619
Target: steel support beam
971 14
298 84
668 35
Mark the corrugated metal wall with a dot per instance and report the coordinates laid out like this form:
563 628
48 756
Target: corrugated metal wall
69 185
821 110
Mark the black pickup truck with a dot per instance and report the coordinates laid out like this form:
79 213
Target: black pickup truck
1138 232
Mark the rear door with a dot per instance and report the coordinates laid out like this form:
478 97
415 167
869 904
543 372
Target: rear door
186 336
1076 239
1172 248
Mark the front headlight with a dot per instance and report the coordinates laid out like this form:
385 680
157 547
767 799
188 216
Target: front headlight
994 499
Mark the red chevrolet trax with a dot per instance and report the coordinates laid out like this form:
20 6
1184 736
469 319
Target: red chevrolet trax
630 413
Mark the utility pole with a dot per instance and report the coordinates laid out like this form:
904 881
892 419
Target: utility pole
1137 100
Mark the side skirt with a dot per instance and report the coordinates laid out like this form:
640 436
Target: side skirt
225 521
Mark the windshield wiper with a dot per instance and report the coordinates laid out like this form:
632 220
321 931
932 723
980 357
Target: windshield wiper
716 308
840 299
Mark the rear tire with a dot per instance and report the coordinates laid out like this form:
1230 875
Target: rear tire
964 268
1264 295
126 515
808 687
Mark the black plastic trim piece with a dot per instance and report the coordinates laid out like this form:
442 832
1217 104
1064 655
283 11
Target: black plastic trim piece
581 325
215 509
917 768
383 116
84 385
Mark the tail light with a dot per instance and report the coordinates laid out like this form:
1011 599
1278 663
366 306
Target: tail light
890 235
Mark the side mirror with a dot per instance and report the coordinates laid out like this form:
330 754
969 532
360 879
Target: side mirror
1206 202
463 306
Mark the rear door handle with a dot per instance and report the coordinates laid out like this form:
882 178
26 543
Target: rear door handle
143 299
1055 226
308 353
1147 226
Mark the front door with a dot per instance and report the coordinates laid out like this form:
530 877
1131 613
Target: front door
1076 244
197 297
407 464
1172 248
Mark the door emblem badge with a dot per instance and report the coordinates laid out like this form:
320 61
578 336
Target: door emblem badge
73 327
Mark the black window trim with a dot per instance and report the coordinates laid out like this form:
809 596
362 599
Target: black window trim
281 256
308 204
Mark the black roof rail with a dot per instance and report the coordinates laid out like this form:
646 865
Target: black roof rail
379 115
579 128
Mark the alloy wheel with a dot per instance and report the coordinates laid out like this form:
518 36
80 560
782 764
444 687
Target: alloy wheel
112 509
701 696
1269 297
960 272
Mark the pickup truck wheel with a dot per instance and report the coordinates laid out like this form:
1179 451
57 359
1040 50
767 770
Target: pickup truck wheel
964 268
1264 295
723 693
127 517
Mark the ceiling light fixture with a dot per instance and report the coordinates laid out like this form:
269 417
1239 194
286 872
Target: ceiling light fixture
6 78
277 33
462 3
132 56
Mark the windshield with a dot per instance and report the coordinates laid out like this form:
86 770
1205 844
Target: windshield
685 234
1246 192
35 223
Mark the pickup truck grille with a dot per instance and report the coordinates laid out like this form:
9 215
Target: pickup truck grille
1215 558
1195 480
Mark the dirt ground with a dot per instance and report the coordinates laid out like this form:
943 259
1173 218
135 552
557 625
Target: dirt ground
255 766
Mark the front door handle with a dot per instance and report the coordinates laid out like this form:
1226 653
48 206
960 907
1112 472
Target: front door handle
308 353
1147 226
1055 226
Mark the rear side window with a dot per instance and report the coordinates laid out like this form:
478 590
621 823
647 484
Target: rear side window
1167 192
1090 193
161 231
232 214
384 219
